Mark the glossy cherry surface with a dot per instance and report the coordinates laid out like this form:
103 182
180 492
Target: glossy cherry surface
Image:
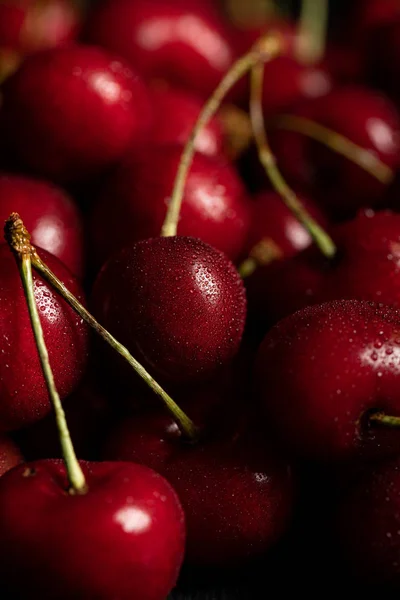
177 304
133 203
72 111
322 370
50 215
23 393
123 538
10 454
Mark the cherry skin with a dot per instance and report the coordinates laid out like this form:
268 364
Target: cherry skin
207 476
368 524
70 112
183 306
215 206
23 393
123 538
185 43
50 215
322 370
10 454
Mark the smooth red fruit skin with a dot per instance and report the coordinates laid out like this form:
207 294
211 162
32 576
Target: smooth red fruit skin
368 525
178 304
70 112
322 369
215 206
50 215
10 454
123 539
23 393
237 495
175 114
184 43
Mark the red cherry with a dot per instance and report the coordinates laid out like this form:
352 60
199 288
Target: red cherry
10 454
124 538
71 111
209 475
368 525
215 207
185 43
322 370
175 114
23 393
50 215
176 303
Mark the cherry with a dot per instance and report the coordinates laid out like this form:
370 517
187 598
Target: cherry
31 25
10 454
323 370
123 538
368 524
175 114
215 207
185 43
23 394
182 301
72 111
50 214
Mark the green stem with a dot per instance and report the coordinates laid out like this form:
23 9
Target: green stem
75 475
311 38
267 159
384 420
263 51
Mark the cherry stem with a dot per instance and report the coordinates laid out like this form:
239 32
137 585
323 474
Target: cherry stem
365 159
187 426
263 51
22 252
312 30
267 159
381 419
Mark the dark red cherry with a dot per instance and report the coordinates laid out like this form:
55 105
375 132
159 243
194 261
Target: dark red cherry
50 215
23 393
175 114
215 205
320 373
72 111
184 42
236 493
10 454
123 538
368 525
177 304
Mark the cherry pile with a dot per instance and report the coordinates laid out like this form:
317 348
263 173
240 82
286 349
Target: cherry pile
238 416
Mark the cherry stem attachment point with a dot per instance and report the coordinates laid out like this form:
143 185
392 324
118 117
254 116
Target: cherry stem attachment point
312 31
20 246
264 50
267 159
365 159
383 420
186 425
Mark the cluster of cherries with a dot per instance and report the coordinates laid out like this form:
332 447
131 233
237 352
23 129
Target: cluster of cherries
275 357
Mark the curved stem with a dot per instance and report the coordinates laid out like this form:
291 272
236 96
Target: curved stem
384 420
75 475
262 51
186 424
311 38
267 159
365 159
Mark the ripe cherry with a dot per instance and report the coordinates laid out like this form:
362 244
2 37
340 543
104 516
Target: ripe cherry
23 393
123 538
215 206
323 370
10 454
70 112
50 214
176 303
